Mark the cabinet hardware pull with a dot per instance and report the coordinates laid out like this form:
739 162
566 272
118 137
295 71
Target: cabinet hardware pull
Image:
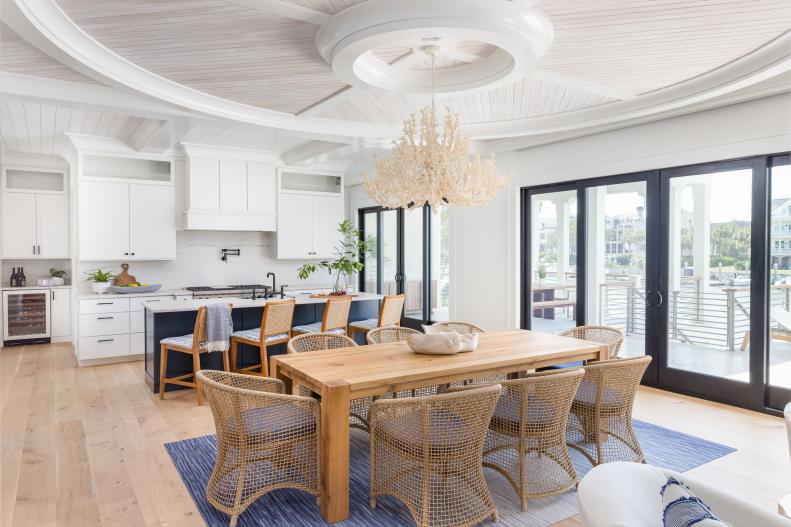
104 318
39 249
34 249
104 303
126 254
105 340
147 301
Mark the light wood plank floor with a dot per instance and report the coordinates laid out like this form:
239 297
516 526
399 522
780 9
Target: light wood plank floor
83 446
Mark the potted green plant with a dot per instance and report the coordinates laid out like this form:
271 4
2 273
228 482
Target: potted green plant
347 259
542 273
57 275
100 280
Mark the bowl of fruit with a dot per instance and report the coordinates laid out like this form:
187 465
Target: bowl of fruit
135 287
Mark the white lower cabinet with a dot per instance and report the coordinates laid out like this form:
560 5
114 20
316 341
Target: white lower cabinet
104 347
60 313
114 327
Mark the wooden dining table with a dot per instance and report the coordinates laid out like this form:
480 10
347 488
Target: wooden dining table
340 375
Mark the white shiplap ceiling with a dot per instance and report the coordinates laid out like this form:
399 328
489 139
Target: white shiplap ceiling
267 60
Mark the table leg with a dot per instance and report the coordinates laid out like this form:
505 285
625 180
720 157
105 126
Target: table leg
275 372
334 468
604 352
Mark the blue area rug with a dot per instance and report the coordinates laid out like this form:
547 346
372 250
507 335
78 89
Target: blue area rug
194 459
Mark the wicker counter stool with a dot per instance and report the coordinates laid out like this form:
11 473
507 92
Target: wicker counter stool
611 337
600 424
389 315
275 329
359 408
426 451
266 440
334 319
527 435
193 344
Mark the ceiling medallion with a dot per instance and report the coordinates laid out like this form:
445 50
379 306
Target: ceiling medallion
427 168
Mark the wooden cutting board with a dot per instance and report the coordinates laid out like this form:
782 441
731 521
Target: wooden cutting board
124 278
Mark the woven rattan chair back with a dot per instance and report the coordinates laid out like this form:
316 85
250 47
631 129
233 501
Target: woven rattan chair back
391 310
612 337
533 412
266 439
600 425
458 326
318 341
277 318
426 451
336 314
389 334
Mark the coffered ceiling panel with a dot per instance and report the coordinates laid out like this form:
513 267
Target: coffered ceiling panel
326 6
643 45
217 47
262 139
17 56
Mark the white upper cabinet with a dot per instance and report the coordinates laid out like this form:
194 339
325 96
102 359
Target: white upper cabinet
308 225
35 225
228 193
126 221
104 220
152 222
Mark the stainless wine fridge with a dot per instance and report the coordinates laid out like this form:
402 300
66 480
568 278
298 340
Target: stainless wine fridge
27 316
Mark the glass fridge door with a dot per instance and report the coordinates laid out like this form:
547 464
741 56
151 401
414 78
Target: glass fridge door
26 314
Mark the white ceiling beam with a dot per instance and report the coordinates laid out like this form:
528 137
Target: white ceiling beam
144 134
287 9
328 102
577 84
310 151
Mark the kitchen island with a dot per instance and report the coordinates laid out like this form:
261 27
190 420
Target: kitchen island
177 317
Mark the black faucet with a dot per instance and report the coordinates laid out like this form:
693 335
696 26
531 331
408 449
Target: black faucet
273 282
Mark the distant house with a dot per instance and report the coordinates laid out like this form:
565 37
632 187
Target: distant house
781 233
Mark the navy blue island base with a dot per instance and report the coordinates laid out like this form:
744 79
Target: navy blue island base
161 325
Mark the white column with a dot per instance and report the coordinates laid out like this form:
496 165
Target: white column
701 247
674 244
594 253
562 233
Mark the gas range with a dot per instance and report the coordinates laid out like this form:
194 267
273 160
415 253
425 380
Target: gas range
237 291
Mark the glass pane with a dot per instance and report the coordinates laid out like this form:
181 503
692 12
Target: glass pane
709 273
413 263
369 235
780 279
553 225
440 265
389 248
27 315
615 253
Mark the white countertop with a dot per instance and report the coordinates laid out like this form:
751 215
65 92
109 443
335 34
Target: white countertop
9 288
161 292
193 305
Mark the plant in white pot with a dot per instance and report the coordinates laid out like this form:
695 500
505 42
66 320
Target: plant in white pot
57 275
100 280
348 255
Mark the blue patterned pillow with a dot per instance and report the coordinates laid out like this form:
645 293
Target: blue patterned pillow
681 508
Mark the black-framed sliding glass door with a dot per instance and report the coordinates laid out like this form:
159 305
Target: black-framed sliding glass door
692 264
410 256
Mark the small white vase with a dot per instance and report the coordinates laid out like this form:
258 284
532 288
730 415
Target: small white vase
100 287
58 280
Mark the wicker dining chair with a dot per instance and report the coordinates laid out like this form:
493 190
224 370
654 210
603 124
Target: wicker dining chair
389 315
457 326
334 319
611 337
193 344
389 334
266 440
275 329
600 423
359 408
426 451
527 435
